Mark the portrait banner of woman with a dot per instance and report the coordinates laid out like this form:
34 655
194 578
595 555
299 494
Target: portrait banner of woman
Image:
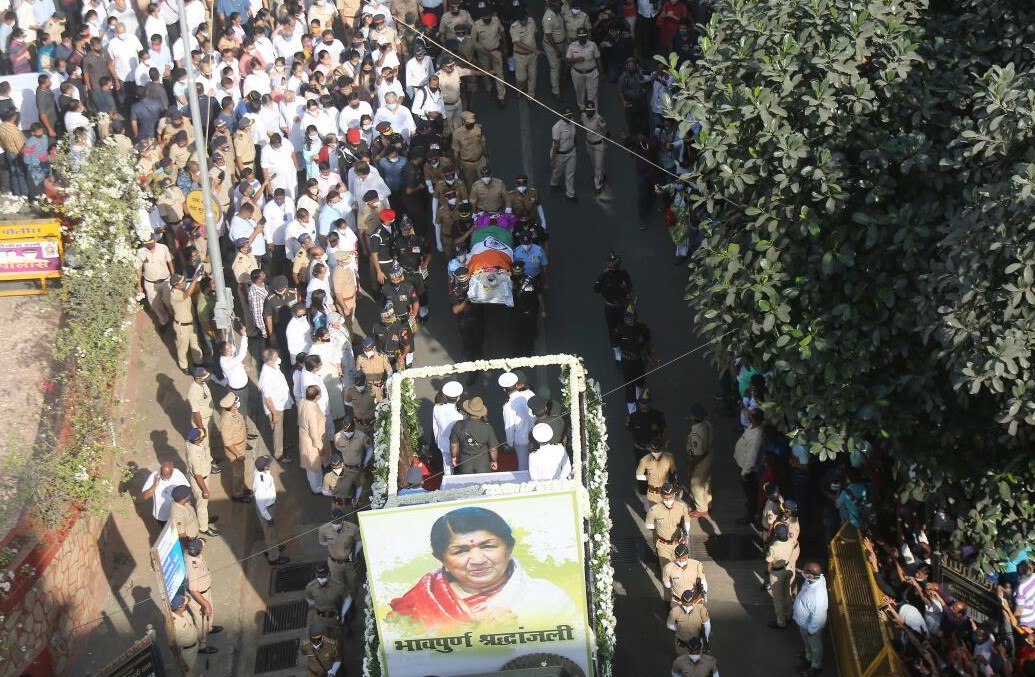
467 586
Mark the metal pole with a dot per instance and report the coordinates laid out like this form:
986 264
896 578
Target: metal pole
224 302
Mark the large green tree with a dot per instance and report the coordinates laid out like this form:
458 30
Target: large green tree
867 167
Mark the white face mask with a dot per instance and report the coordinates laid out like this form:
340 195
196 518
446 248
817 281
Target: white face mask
393 159
575 11
486 180
123 36
361 388
336 526
522 189
451 201
349 435
321 580
682 565
656 454
694 657
314 136
277 363
368 353
668 503
337 471
688 609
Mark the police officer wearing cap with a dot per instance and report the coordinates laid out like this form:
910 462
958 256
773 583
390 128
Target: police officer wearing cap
699 451
646 424
596 132
669 524
695 663
199 584
779 574
340 537
375 366
523 201
528 307
635 352
199 466
199 398
689 620
449 181
584 58
682 574
403 298
655 468
488 194
562 155
380 242
185 634
325 597
182 514
351 445
487 36
388 336
615 285
413 254
322 654
470 319
446 217
181 293
470 148
235 443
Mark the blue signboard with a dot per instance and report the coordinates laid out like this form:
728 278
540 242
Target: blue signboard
170 558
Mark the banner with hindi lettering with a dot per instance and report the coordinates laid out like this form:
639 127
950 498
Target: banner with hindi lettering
467 586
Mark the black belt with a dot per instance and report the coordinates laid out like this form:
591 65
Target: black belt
780 568
591 70
189 646
164 279
339 561
474 160
565 152
351 467
185 324
451 103
594 143
669 541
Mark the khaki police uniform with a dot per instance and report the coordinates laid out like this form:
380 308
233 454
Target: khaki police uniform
352 452
778 556
687 624
488 40
199 581
449 83
664 523
244 149
573 22
154 265
705 667
199 464
374 368
585 76
363 404
553 30
596 147
181 155
491 197
677 579
465 48
440 188
185 634
167 130
184 519
445 222
699 449
170 204
199 397
235 438
183 324
319 661
525 65
657 471
469 147
340 553
563 155
449 22
325 603
527 203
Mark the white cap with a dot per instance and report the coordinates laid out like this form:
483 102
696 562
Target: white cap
507 379
542 433
453 389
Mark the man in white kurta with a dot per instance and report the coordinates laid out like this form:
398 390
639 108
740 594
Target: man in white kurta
549 461
517 419
444 417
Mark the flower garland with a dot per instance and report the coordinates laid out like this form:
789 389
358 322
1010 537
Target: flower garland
592 496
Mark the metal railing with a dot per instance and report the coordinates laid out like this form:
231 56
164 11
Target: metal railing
862 640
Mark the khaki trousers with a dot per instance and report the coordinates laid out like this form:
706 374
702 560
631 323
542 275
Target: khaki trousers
701 484
157 294
471 171
187 345
781 589
200 504
204 622
555 68
597 153
525 72
277 435
493 63
586 85
344 573
564 167
666 553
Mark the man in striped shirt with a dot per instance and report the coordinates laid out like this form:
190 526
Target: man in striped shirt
1024 597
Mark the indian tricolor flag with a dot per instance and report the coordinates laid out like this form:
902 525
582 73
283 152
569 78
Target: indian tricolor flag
492 247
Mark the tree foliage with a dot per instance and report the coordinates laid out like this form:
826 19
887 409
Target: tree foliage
869 169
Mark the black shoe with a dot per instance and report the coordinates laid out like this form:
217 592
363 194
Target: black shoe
279 561
210 532
285 459
776 626
554 188
249 447
679 260
208 650
212 519
502 103
215 629
571 198
252 436
214 470
241 499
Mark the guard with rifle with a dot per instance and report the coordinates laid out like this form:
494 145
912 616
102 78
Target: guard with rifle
669 524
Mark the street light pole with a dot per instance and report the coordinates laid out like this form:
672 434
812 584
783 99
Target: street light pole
224 300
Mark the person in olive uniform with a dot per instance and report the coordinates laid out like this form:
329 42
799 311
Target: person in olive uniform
388 336
689 620
413 254
414 193
340 536
322 654
199 467
528 306
182 513
778 558
551 413
654 471
199 585
646 424
325 597
635 349
472 442
695 663
669 524
351 445
185 634
615 285
470 319
523 200
403 298
683 574
376 366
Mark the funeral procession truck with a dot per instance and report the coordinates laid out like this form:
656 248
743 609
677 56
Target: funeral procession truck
491 572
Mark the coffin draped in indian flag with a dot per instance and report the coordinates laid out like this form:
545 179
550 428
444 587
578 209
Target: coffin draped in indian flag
489 261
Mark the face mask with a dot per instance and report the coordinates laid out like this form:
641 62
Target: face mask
452 202
486 180
669 503
656 454
393 159
695 657
687 609
361 388
367 128
681 564
522 189
317 645
314 136
337 525
450 180
321 580
368 353
576 12
349 435
336 471
392 106
123 36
